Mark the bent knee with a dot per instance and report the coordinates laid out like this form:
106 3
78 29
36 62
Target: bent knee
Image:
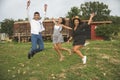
55 47
75 50
60 48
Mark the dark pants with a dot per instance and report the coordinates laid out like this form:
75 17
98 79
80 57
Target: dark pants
37 43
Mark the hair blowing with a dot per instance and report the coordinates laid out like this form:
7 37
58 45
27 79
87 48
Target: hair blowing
63 21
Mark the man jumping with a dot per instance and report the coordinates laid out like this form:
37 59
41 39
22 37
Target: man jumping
36 29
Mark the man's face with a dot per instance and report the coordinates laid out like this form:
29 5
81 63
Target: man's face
36 16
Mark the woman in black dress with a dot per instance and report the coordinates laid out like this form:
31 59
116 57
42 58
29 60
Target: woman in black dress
79 36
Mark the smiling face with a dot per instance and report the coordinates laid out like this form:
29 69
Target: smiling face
36 16
59 20
76 22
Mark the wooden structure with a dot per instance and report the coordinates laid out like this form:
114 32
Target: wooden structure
22 30
94 26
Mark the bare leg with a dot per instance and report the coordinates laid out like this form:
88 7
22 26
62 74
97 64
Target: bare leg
76 50
65 49
59 53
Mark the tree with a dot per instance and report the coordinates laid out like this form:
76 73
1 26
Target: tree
101 10
7 26
75 11
115 20
26 19
20 20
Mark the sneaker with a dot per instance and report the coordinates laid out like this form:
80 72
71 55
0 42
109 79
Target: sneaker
32 54
29 55
86 43
84 59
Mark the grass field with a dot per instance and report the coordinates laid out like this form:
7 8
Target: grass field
103 62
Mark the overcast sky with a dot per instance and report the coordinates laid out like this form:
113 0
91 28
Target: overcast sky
17 8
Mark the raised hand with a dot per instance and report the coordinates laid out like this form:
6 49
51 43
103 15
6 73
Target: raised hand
52 18
92 15
28 3
54 21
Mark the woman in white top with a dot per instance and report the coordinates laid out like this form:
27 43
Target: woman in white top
58 38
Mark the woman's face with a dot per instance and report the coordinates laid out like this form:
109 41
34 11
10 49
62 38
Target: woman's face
76 22
59 20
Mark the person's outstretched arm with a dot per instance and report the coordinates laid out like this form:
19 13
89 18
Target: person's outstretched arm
91 17
66 27
54 21
28 13
69 39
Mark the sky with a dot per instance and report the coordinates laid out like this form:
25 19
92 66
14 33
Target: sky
16 9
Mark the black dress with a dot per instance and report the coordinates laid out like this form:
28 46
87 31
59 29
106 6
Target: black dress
79 35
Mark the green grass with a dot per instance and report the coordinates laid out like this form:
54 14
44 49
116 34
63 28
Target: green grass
103 62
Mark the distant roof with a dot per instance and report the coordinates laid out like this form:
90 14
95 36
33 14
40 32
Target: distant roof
102 22
96 22
21 22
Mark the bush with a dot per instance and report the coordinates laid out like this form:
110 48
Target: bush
107 31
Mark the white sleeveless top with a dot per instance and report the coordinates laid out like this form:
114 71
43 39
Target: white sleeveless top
57 30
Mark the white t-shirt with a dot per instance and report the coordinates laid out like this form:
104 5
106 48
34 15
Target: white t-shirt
36 25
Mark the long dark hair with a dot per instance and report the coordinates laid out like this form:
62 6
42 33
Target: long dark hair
63 21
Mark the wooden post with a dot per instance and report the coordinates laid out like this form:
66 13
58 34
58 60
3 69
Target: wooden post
93 33
19 37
